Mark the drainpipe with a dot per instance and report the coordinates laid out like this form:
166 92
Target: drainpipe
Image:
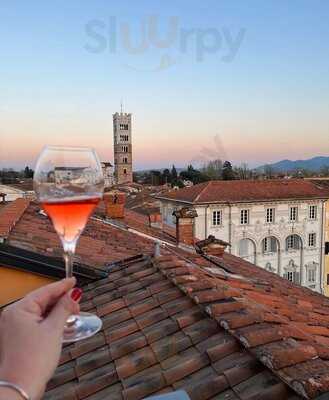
230 227
206 222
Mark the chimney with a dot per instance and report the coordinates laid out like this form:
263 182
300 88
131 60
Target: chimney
185 225
155 219
211 246
3 197
114 204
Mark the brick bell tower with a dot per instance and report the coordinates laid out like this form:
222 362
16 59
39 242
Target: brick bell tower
123 171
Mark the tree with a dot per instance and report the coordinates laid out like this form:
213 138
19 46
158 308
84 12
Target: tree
268 171
228 173
155 177
243 172
192 174
174 174
166 176
213 169
324 171
28 172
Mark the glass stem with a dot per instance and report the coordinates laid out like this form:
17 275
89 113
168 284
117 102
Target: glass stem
69 249
68 258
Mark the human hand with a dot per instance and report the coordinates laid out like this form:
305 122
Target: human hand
31 333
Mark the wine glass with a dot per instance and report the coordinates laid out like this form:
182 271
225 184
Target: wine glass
69 184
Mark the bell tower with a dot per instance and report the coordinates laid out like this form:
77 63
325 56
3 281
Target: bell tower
123 171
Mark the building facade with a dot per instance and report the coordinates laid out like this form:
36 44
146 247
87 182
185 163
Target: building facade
11 193
284 236
108 174
123 171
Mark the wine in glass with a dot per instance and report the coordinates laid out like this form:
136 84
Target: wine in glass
69 184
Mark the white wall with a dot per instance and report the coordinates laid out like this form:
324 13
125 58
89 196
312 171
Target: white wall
12 193
258 229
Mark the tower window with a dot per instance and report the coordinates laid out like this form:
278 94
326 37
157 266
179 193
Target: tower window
124 138
123 127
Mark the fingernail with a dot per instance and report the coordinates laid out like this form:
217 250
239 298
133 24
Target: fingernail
76 294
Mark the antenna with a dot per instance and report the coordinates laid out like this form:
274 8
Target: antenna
121 106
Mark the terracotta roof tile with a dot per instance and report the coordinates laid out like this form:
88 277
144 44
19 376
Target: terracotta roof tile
135 362
127 344
88 362
11 214
172 323
99 244
96 380
155 338
244 190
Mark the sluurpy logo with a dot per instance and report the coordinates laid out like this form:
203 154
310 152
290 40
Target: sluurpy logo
166 37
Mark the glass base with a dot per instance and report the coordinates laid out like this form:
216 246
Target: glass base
83 326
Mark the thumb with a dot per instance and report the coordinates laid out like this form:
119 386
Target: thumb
61 311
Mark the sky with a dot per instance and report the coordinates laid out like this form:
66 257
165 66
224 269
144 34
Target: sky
244 80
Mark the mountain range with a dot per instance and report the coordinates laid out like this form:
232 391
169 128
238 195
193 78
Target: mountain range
311 164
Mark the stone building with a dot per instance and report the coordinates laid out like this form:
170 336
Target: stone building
278 224
107 169
122 148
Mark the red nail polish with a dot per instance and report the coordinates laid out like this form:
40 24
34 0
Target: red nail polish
76 294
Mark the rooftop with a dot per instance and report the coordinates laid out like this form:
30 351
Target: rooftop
179 322
98 244
247 191
220 328
157 339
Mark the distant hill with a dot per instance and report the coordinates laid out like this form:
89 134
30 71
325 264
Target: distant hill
312 164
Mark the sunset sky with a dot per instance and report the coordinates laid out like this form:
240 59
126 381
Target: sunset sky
244 80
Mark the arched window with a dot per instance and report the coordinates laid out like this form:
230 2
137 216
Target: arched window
247 249
270 245
293 242
268 266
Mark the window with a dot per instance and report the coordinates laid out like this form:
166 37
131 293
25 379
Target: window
293 214
311 275
293 242
125 171
270 245
327 279
244 217
270 215
312 239
123 127
290 276
217 218
312 212
124 138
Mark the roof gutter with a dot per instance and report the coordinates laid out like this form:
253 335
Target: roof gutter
202 203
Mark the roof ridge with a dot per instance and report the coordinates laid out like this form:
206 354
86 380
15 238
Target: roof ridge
205 188
266 335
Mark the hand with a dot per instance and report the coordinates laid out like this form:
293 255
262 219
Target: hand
31 333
